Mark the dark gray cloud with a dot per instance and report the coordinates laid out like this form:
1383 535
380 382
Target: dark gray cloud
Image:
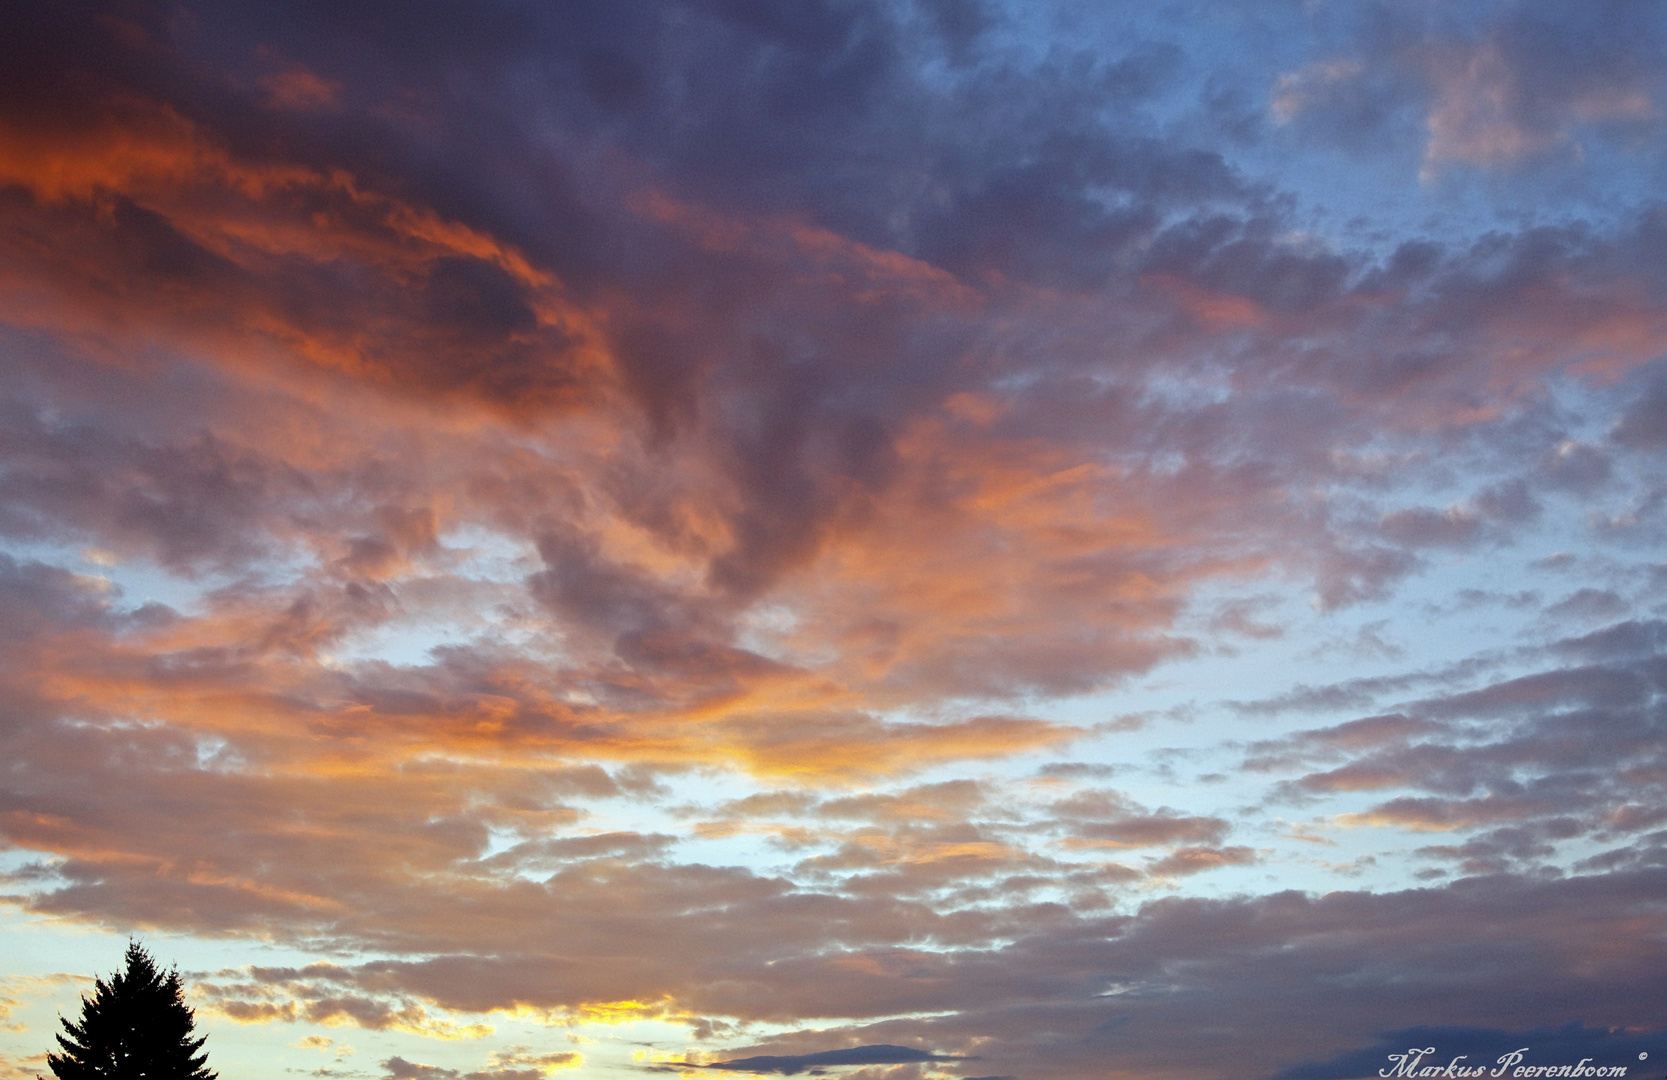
1644 424
1518 84
1521 764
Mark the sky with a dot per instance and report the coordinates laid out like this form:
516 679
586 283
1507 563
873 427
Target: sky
884 539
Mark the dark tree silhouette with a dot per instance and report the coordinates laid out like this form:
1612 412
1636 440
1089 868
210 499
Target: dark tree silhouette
134 1027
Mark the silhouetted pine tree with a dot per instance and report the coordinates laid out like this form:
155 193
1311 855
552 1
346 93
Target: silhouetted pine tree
134 1027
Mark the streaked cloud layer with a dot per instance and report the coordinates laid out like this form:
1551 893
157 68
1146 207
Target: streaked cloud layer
904 539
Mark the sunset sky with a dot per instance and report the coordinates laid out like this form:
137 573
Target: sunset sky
909 538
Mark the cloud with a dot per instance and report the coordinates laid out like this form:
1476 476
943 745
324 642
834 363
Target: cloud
1192 860
1642 424
1495 93
29 986
659 511
22 1068
1523 90
1103 817
792 1064
397 1068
